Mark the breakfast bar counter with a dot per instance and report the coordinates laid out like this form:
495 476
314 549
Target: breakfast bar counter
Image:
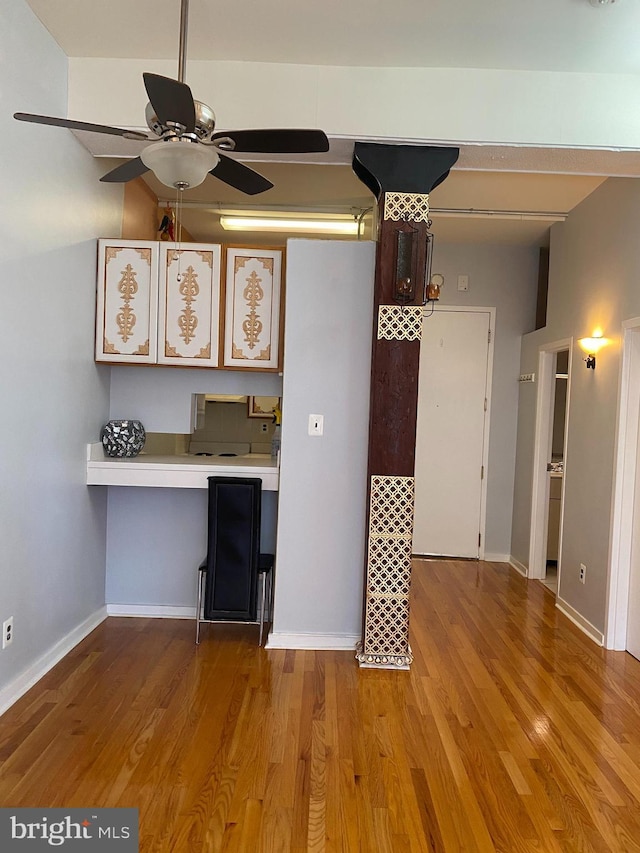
180 471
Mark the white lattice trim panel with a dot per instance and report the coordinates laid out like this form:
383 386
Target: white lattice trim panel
385 644
391 507
389 567
386 630
406 206
387 626
399 322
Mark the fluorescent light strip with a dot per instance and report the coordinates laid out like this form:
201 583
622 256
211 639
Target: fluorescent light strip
308 226
519 215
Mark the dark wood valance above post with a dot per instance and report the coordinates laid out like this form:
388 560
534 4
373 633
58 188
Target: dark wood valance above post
401 176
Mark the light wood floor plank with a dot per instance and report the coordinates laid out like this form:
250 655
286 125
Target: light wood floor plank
512 733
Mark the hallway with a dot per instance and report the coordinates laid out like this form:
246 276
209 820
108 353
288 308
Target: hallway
512 732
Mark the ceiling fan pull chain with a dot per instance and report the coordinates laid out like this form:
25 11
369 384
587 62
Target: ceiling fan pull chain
179 232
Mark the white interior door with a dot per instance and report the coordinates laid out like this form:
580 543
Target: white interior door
450 442
633 614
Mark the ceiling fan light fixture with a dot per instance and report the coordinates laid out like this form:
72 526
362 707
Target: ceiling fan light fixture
179 163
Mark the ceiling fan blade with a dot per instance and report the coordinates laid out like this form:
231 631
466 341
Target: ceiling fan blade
126 172
79 125
276 141
240 177
171 100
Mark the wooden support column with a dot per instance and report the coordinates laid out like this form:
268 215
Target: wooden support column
401 177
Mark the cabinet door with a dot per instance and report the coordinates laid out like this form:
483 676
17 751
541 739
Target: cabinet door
188 319
252 308
127 301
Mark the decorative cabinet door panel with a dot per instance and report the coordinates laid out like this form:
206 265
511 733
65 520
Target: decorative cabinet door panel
127 301
252 308
189 305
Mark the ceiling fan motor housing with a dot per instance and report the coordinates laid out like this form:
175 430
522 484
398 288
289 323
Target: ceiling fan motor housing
204 127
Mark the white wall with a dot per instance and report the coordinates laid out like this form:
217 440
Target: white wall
504 278
157 537
156 540
594 281
323 482
54 398
473 104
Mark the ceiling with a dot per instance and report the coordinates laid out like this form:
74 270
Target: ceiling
487 182
456 203
555 35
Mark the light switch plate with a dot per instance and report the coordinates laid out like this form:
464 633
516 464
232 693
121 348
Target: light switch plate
463 282
316 424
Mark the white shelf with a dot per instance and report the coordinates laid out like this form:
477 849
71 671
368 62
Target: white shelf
177 472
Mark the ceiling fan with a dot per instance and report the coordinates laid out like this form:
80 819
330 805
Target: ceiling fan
187 148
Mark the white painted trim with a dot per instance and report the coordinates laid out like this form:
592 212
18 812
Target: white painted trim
324 642
622 510
152 611
542 453
39 668
579 621
479 309
539 483
497 558
519 567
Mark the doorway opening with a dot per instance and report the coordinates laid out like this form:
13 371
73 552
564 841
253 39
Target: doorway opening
555 468
547 501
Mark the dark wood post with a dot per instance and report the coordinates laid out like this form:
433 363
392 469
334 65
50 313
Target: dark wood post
401 177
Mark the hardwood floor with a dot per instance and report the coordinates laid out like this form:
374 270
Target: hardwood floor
512 732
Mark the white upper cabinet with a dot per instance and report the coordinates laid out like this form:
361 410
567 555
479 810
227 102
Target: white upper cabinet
189 305
127 299
252 308
160 303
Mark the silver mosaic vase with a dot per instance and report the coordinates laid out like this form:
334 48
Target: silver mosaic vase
122 438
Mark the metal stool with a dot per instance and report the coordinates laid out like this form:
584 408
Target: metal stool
265 569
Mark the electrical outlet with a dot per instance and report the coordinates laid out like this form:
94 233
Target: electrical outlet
583 572
264 427
7 632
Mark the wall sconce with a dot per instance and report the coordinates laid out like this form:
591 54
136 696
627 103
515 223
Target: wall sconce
592 346
413 257
406 251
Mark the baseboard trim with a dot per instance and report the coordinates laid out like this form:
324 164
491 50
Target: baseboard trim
13 691
518 566
152 611
318 642
497 558
580 622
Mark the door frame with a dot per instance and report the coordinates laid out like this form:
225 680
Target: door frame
478 309
624 489
545 400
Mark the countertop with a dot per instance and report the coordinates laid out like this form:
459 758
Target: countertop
181 471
